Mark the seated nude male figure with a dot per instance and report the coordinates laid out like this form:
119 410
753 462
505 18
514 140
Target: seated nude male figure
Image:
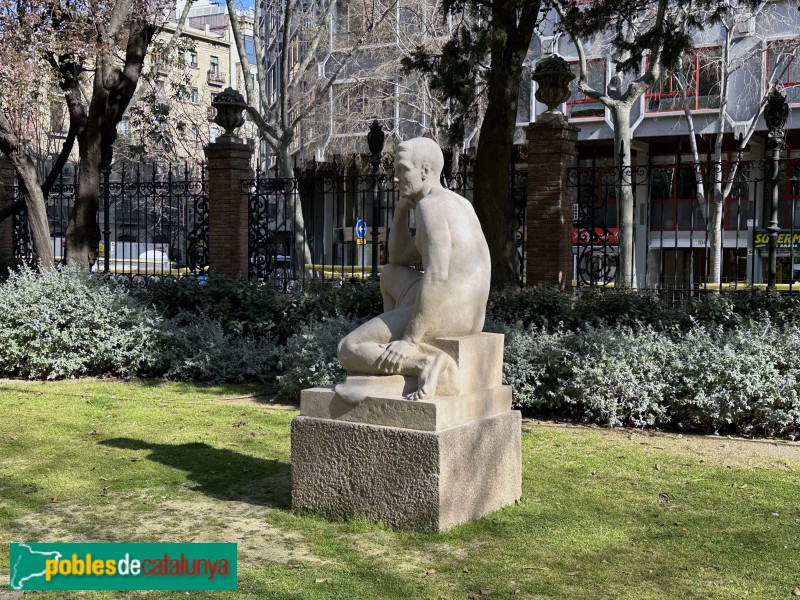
446 299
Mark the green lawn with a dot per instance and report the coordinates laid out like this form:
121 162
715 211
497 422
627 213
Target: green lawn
605 514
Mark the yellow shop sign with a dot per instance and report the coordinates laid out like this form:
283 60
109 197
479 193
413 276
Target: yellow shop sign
786 239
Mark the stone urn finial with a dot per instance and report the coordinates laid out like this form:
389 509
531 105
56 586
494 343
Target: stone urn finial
229 104
553 75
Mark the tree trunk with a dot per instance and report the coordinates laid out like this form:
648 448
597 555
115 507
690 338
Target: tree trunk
37 213
111 92
83 232
491 192
301 248
621 115
11 146
715 234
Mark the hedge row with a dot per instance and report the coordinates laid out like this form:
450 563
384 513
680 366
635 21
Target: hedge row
727 363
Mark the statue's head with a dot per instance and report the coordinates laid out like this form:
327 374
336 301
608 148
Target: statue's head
418 167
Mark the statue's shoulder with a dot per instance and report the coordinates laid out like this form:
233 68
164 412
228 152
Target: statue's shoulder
440 199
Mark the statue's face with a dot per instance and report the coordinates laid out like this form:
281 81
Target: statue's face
408 176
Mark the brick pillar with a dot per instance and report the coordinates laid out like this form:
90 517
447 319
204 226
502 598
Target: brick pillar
7 177
548 234
228 164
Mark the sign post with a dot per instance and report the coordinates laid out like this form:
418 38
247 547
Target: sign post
361 233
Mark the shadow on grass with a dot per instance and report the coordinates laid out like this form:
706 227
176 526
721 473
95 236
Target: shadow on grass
221 473
261 393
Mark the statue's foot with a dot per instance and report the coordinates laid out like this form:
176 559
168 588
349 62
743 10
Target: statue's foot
435 366
357 388
349 394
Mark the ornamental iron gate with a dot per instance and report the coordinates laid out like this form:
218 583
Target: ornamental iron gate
347 212
153 221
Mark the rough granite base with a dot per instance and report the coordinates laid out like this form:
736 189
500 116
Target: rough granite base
404 477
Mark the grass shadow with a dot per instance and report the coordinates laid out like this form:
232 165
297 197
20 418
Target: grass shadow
221 473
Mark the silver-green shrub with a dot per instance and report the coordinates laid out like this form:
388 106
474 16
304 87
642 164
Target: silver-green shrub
618 375
63 324
196 347
309 358
745 379
742 380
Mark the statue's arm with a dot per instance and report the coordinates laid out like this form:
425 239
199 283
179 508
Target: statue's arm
434 233
402 250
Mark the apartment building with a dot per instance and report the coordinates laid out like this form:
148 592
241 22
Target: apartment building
172 120
670 223
359 56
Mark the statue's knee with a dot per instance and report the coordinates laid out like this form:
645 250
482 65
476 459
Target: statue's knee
346 349
342 347
346 353
388 274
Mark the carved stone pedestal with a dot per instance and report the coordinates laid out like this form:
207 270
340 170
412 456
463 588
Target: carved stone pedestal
429 464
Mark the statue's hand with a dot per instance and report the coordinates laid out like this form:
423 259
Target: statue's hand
394 354
405 204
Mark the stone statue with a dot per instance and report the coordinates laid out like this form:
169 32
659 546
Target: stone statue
446 299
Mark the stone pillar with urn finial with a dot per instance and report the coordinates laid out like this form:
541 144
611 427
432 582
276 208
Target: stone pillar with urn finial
229 158
551 154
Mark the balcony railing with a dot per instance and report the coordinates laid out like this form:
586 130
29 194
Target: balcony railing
216 77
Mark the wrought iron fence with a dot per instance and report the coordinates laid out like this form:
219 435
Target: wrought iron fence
347 213
331 222
153 222
688 217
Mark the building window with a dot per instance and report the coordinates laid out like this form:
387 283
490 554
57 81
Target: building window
739 205
580 106
272 83
59 123
250 49
782 66
193 60
214 75
788 198
524 97
595 202
354 17
674 198
358 103
700 73
194 96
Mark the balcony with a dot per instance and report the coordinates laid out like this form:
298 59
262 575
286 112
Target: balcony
216 77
